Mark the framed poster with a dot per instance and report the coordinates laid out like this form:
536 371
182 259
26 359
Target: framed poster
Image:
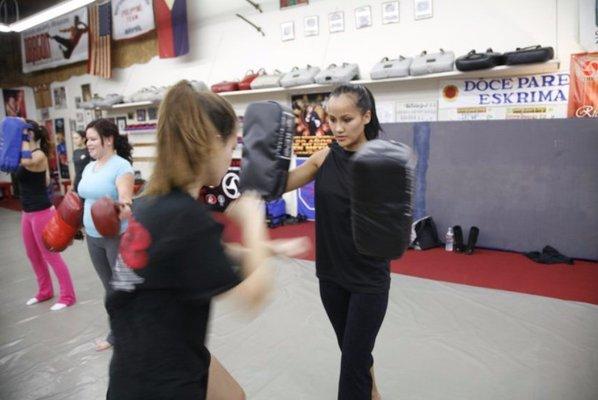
311 26
152 114
141 115
86 92
121 122
14 103
336 22
390 12
59 98
53 160
57 42
363 17
312 131
63 162
287 31
422 9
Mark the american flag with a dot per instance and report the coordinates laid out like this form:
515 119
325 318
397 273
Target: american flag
100 26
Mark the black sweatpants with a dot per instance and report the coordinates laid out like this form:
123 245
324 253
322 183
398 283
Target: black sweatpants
356 319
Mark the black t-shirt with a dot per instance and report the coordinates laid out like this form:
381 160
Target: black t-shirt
80 158
159 313
337 258
33 189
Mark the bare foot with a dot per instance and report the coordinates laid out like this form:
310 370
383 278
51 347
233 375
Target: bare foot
102 345
375 393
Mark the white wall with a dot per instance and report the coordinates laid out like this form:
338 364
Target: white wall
223 47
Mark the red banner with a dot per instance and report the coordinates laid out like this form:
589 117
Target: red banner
583 89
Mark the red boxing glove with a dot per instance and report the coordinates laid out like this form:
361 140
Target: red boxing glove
57 234
104 214
133 245
70 210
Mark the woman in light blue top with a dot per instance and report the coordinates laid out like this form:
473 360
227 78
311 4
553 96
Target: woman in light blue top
111 174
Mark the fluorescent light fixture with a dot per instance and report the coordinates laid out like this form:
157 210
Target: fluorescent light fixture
48 14
4 28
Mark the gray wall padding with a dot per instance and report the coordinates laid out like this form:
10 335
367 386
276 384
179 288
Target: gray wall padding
524 183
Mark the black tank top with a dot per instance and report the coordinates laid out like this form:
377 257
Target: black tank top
337 258
33 190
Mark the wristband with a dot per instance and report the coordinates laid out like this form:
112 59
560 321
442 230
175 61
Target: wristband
26 154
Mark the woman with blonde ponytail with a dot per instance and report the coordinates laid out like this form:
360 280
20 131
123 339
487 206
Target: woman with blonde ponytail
174 262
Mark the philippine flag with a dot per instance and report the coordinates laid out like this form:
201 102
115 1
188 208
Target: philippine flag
171 26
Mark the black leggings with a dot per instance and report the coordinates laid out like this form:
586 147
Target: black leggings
356 319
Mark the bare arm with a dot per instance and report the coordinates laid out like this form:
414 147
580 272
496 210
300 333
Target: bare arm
124 186
37 161
306 172
235 251
248 212
294 247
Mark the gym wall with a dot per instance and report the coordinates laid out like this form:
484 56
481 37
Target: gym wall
525 183
223 47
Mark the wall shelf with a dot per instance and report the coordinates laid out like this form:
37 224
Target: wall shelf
138 131
148 144
144 159
132 105
500 71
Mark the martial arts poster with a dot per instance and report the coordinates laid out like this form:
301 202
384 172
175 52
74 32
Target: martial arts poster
312 131
14 103
583 91
485 99
131 18
53 160
306 203
58 42
63 162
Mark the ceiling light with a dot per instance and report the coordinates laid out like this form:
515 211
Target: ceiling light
48 14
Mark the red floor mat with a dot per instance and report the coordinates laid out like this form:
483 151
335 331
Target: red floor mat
485 268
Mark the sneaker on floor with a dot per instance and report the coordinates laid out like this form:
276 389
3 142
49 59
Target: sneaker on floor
32 301
35 300
58 306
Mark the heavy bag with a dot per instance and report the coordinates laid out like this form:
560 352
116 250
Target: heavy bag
70 209
381 191
57 234
104 213
268 130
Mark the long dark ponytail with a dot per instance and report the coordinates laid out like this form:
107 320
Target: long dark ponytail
365 102
41 134
107 128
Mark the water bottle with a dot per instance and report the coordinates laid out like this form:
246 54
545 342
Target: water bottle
449 239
